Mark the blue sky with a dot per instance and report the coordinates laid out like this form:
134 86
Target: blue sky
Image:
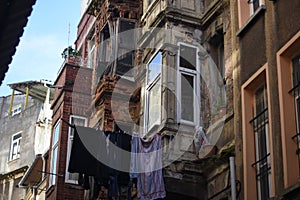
38 54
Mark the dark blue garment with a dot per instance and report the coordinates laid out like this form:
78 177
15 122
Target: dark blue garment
113 189
129 193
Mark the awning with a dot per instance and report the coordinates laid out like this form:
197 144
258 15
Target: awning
33 175
13 18
37 89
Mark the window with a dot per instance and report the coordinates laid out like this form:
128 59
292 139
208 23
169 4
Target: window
153 92
188 84
296 93
78 121
91 52
125 46
54 156
16 110
289 93
247 9
262 149
15 146
254 5
257 148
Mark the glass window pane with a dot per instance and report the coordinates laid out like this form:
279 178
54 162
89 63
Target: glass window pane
78 122
17 136
56 133
73 176
187 97
154 105
53 167
188 57
154 67
255 4
260 125
296 70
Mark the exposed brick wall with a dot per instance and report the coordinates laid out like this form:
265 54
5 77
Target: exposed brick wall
73 98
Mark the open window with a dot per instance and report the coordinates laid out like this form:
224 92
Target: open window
188 84
78 121
15 146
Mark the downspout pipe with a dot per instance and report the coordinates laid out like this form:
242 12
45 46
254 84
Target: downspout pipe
232 177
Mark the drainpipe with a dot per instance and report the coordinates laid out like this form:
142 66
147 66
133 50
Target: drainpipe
232 177
46 111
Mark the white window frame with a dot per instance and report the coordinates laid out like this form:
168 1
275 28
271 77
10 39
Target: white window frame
16 110
70 139
15 141
196 75
251 5
91 52
54 146
149 85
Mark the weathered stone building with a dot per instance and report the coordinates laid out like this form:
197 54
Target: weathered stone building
194 47
200 28
25 133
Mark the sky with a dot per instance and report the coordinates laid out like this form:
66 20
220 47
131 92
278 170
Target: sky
38 54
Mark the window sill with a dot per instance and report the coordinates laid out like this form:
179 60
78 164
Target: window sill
291 192
13 161
251 20
154 129
50 190
74 186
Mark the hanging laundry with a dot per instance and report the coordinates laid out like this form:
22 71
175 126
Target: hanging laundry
200 139
148 161
85 152
134 156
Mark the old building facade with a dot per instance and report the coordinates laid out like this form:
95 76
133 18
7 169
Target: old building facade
69 106
25 134
228 68
200 49
269 64
192 52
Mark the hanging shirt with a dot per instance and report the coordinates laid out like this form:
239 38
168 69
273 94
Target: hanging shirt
150 183
134 156
82 160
